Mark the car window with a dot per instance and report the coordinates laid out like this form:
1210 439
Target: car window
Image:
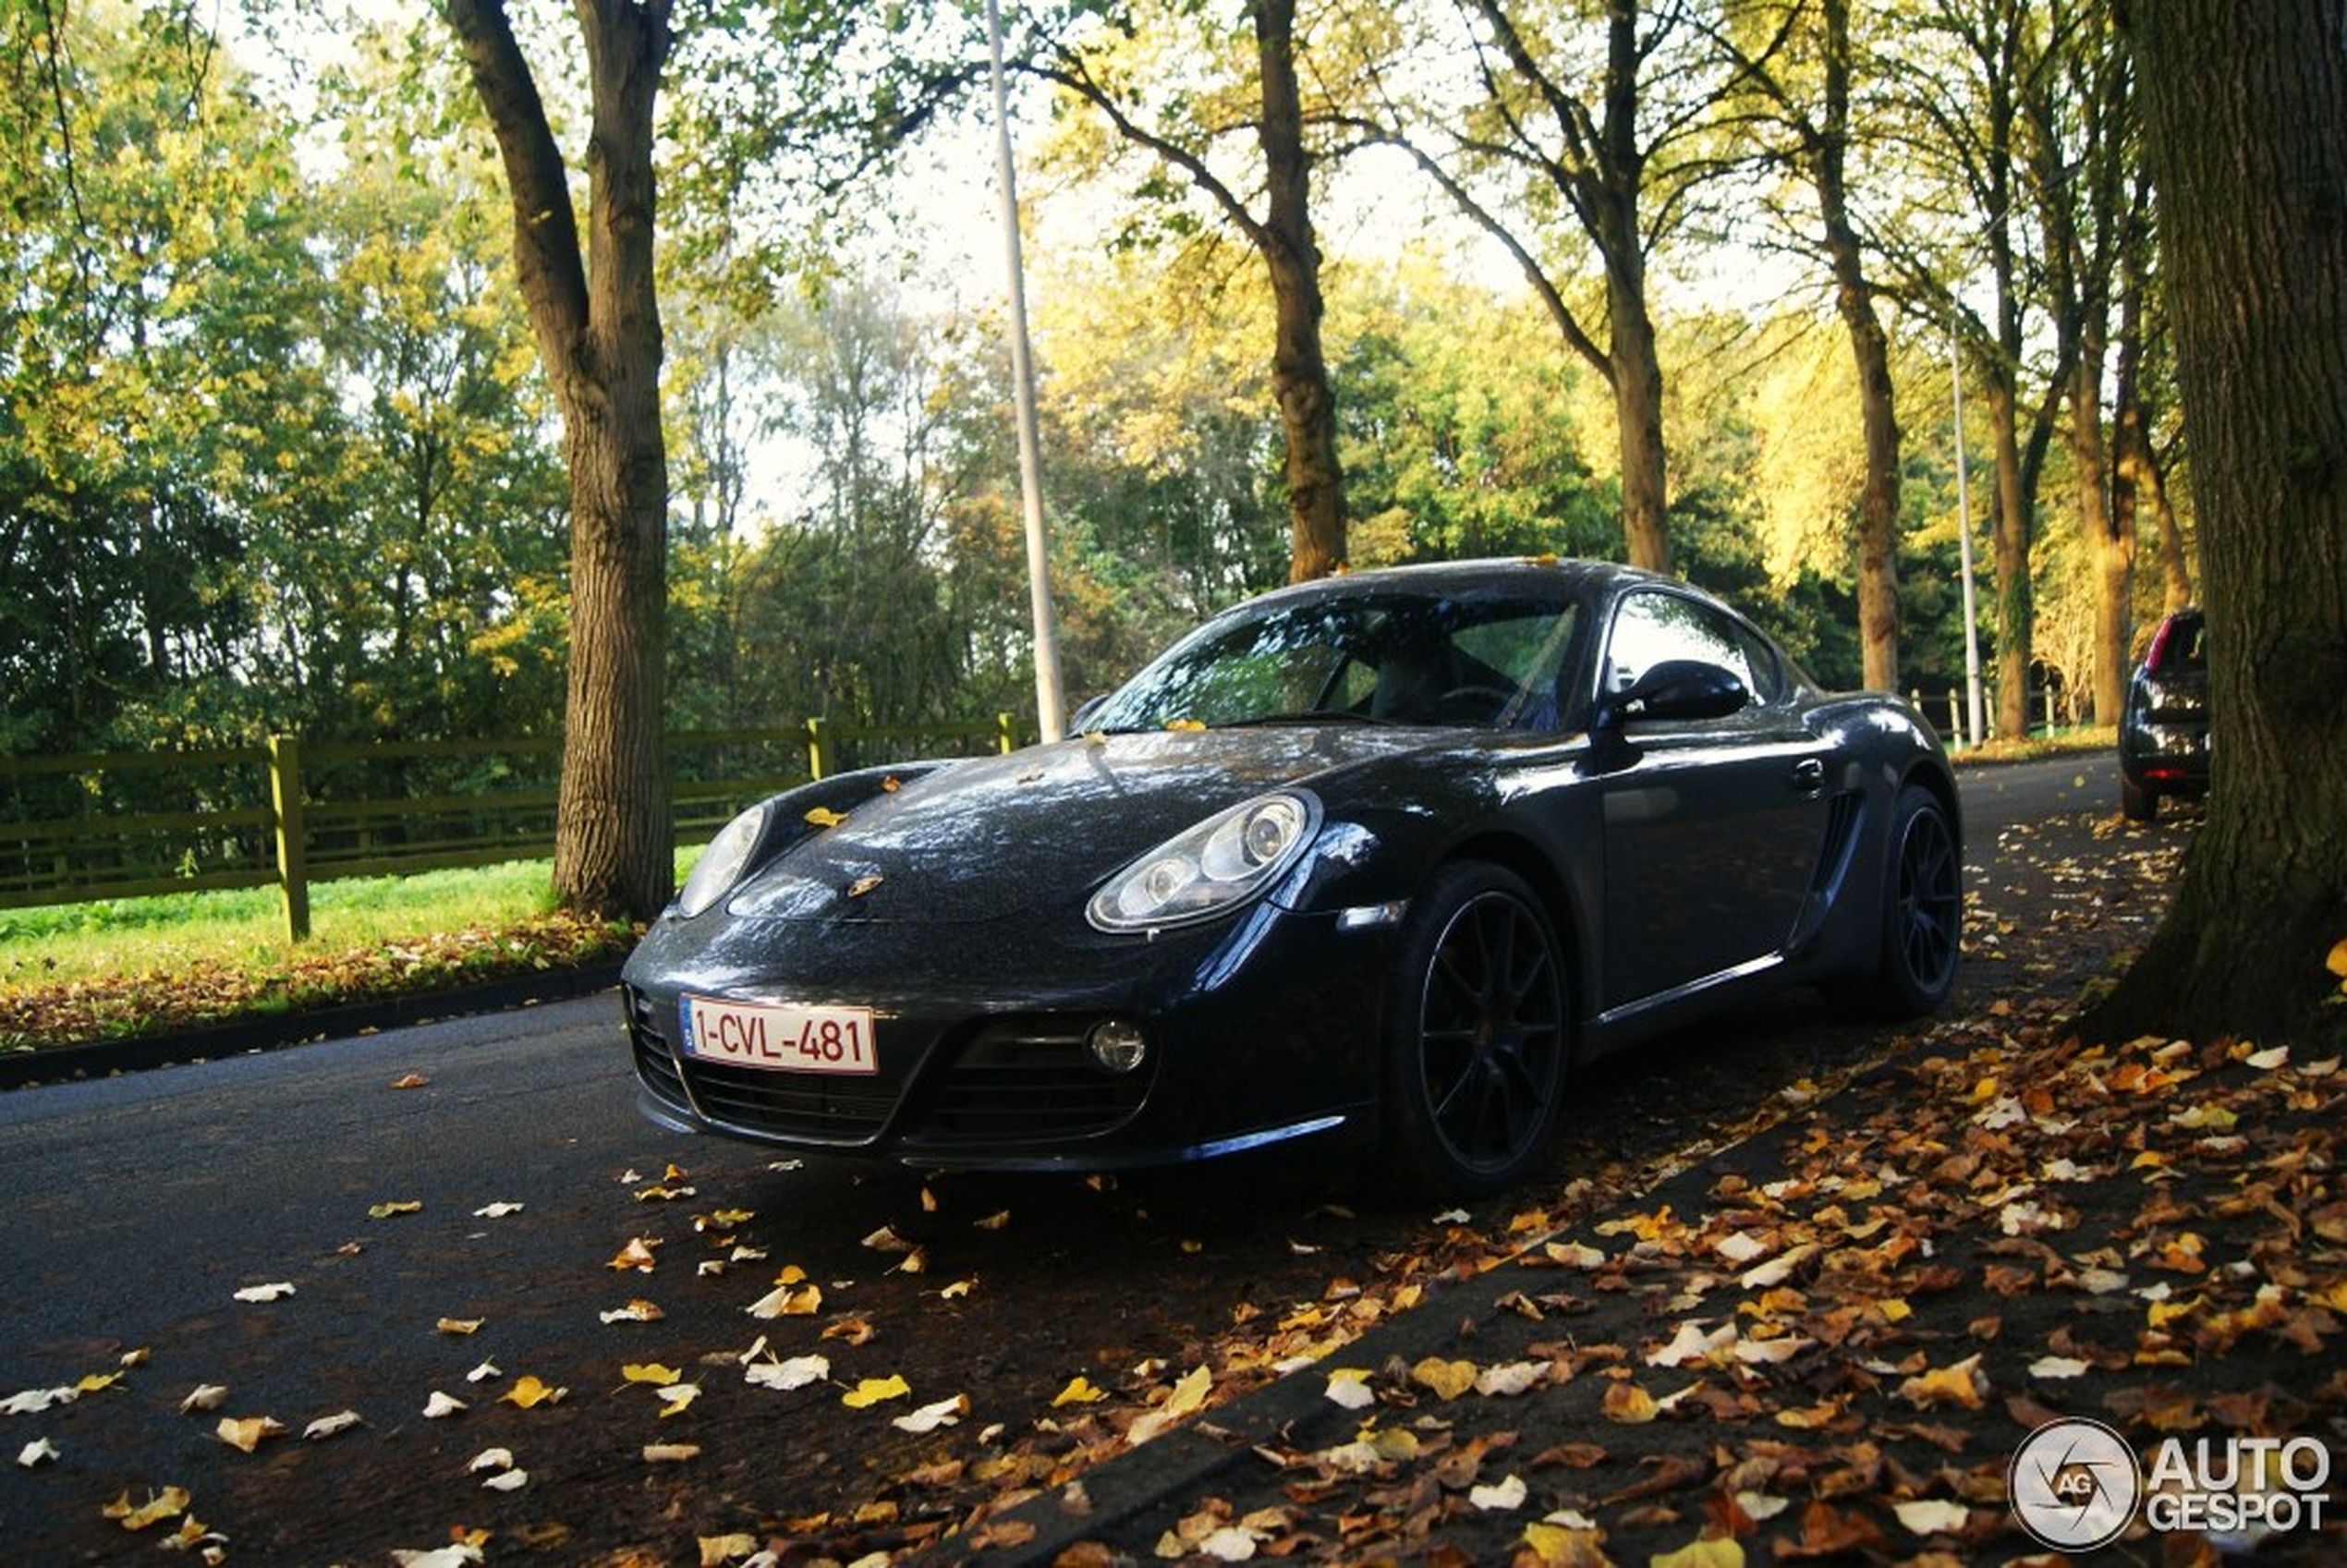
1654 627
1390 659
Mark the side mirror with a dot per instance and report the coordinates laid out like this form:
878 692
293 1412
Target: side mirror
1676 688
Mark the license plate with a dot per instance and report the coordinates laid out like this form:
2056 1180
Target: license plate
779 1037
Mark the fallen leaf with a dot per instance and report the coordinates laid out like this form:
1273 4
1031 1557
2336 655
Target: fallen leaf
207 1397
824 817
40 1451
1722 1553
1628 1403
677 1398
670 1452
528 1393
1445 1380
796 1373
1078 1392
277 1292
330 1425
651 1373
929 1417
1349 1387
247 1433
498 1211
395 1208
460 1325
873 1391
1933 1517
1506 1496
168 1503
440 1405
638 1311
413 1080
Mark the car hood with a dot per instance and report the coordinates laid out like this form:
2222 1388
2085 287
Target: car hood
999 835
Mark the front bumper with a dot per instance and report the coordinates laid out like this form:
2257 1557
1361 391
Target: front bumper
1262 1029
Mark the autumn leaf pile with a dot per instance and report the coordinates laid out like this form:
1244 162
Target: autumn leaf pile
1829 1349
34 1015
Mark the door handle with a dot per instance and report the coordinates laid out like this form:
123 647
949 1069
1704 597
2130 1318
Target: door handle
1810 776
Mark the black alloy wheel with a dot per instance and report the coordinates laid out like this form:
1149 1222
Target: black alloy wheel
1925 896
1478 1035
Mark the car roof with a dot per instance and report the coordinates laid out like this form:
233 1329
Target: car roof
1545 573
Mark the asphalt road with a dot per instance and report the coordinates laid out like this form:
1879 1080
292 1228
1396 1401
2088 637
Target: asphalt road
138 1207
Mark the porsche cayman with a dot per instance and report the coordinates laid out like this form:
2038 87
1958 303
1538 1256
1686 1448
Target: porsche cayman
1380 859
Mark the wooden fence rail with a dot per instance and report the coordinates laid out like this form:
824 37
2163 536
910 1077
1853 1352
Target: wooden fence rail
290 813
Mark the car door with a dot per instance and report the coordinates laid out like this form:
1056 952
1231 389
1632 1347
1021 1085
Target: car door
1712 827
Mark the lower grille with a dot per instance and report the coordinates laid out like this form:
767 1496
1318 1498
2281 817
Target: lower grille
1029 1078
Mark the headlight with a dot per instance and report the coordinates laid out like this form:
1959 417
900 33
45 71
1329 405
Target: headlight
1220 863
720 866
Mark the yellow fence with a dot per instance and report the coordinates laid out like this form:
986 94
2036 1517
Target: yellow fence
104 825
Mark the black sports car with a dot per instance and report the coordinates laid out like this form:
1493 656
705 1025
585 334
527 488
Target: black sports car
1377 858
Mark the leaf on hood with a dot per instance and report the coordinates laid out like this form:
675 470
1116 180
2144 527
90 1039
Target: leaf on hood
824 817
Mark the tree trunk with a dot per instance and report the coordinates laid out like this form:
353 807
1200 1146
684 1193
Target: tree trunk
2249 152
597 322
2109 545
1878 541
2008 557
1299 369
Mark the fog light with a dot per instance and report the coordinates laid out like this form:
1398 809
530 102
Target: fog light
1117 1045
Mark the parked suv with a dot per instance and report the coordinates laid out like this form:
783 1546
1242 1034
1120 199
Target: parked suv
2163 734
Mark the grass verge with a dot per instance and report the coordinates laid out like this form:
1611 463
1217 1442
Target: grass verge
118 969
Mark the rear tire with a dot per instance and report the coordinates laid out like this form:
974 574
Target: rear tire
1477 1034
1922 909
2136 803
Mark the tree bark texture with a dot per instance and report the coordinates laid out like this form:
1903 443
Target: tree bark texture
594 311
1299 367
2249 149
1877 545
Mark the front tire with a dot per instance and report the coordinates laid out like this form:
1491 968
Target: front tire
1478 1030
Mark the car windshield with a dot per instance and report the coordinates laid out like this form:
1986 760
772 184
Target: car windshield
1386 658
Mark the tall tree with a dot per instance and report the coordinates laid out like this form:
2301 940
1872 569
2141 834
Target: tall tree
592 305
2249 149
1270 111
1805 67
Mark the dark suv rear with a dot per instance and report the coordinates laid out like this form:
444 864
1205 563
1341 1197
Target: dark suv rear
2163 734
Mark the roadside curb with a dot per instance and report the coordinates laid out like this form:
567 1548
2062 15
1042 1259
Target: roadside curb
98 1059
